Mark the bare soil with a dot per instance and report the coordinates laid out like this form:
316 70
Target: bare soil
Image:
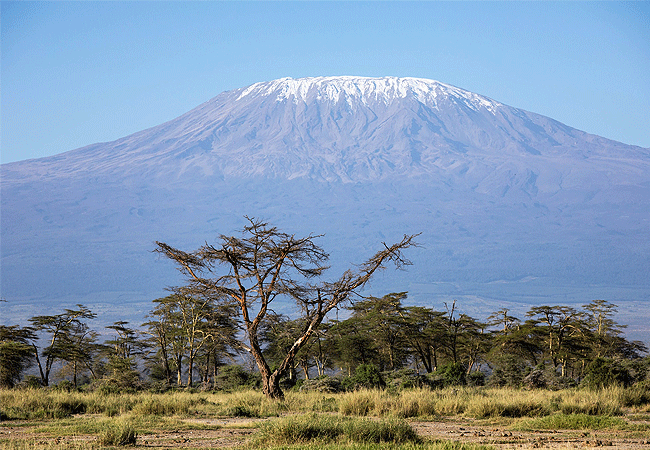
232 432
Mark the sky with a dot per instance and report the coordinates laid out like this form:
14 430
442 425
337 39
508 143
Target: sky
78 73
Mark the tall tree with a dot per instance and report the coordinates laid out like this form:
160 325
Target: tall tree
162 333
264 265
425 330
193 312
168 335
462 337
221 341
563 328
383 321
60 327
351 344
77 347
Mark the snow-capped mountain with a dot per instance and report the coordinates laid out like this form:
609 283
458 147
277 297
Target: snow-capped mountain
514 207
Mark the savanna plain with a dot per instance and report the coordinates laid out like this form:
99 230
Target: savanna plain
412 418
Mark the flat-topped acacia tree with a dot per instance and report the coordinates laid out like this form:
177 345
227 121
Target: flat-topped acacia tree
264 265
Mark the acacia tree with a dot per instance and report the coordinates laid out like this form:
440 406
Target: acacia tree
122 351
383 320
60 327
563 326
264 265
425 331
350 343
221 331
16 353
77 347
162 333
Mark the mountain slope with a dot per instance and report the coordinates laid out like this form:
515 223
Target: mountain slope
501 195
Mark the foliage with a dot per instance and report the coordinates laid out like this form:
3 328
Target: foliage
604 372
194 335
451 374
323 384
233 377
366 376
264 265
16 353
70 340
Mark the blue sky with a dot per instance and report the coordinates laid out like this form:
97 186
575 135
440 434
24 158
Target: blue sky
77 73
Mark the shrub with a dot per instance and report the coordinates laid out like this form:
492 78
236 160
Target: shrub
476 378
535 380
604 372
325 384
405 379
31 382
234 377
452 374
509 371
365 376
118 434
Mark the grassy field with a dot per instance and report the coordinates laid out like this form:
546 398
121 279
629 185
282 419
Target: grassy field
366 419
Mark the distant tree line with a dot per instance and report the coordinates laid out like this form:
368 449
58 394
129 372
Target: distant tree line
220 331
190 342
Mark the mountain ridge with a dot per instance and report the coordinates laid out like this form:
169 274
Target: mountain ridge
498 194
290 139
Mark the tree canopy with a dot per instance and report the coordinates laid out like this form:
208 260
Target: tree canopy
265 264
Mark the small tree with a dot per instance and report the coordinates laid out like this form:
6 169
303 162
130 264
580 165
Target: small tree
122 351
265 265
162 333
78 348
16 353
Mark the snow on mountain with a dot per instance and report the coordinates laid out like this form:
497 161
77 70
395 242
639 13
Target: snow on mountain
515 208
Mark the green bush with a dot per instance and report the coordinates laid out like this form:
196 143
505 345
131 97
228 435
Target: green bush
325 384
233 377
508 372
604 372
476 378
452 374
365 376
405 379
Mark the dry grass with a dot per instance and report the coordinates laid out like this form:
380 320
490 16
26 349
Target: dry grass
481 403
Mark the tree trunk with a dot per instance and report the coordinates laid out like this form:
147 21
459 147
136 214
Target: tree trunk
190 368
40 367
179 372
271 386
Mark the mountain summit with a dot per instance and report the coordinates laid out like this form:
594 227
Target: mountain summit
513 206
346 129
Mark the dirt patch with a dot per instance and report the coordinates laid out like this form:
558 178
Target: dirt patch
503 438
233 432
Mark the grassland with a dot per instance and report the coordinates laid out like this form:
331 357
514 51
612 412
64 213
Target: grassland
458 418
